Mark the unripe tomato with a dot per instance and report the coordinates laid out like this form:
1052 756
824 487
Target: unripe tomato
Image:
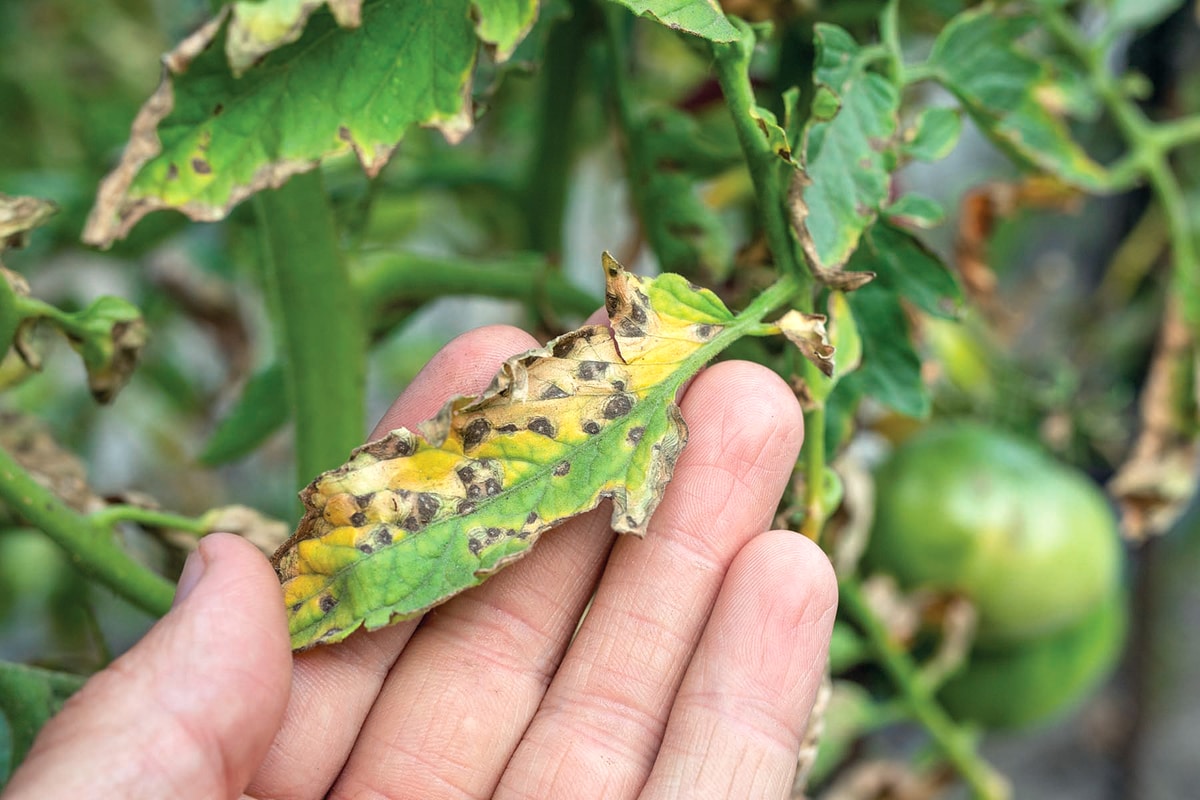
1039 679
965 509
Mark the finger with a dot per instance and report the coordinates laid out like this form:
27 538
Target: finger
599 726
474 672
455 706
333 688
740 714
191 709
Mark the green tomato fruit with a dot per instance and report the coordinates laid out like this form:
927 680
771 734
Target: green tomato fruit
1040 679
965 509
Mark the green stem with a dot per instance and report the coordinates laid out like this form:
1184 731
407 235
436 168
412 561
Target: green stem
954 744
112 515
1149 145
1178 132
765 165
319 328
889 33
815 513
545 190
92 548
383 281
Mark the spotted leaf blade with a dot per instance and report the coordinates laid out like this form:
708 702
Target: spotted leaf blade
417 517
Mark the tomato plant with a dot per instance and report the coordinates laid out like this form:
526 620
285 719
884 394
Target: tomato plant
910 192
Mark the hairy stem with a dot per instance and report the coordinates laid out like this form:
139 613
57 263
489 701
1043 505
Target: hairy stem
319 328
954 744
765 165
1150 146
112 515
92 547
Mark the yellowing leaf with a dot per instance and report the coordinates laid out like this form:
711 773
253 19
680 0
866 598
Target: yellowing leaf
416 517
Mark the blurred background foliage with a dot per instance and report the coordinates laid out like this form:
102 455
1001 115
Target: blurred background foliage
1066 296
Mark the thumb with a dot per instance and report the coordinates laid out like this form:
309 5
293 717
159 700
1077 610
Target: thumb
190 710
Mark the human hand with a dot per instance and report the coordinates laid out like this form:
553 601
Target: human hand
691 676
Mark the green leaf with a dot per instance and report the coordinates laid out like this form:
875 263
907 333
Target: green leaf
415 518
1126 15
702 18
260 410
933 135
846 160
978 58
206 139
28 698
916 210
503 24
891 369
910 269
668 153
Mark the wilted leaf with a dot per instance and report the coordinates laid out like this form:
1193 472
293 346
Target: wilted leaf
417 517
34 448
807 332
207 139
846 160
1158 479
109 337
703 18
978 58
19 215
263 532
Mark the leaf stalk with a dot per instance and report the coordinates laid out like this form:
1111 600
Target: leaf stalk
91 546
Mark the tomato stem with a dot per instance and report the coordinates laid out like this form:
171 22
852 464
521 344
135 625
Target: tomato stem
985 783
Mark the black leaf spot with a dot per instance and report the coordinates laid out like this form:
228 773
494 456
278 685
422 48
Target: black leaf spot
562 468
543 426
591 427
475 432
618 406
427 505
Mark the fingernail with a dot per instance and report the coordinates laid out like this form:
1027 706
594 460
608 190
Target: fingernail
193 571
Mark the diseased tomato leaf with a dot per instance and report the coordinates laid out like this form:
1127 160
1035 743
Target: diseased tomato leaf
417 517
210 136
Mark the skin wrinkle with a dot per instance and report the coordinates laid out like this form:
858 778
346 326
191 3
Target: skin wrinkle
464 366
688 507
616 688
526 587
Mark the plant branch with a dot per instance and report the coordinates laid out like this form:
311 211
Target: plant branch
321 339
112 515
1149 145
954 744
765 165
92 547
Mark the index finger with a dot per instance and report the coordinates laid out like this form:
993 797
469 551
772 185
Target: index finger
333 688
